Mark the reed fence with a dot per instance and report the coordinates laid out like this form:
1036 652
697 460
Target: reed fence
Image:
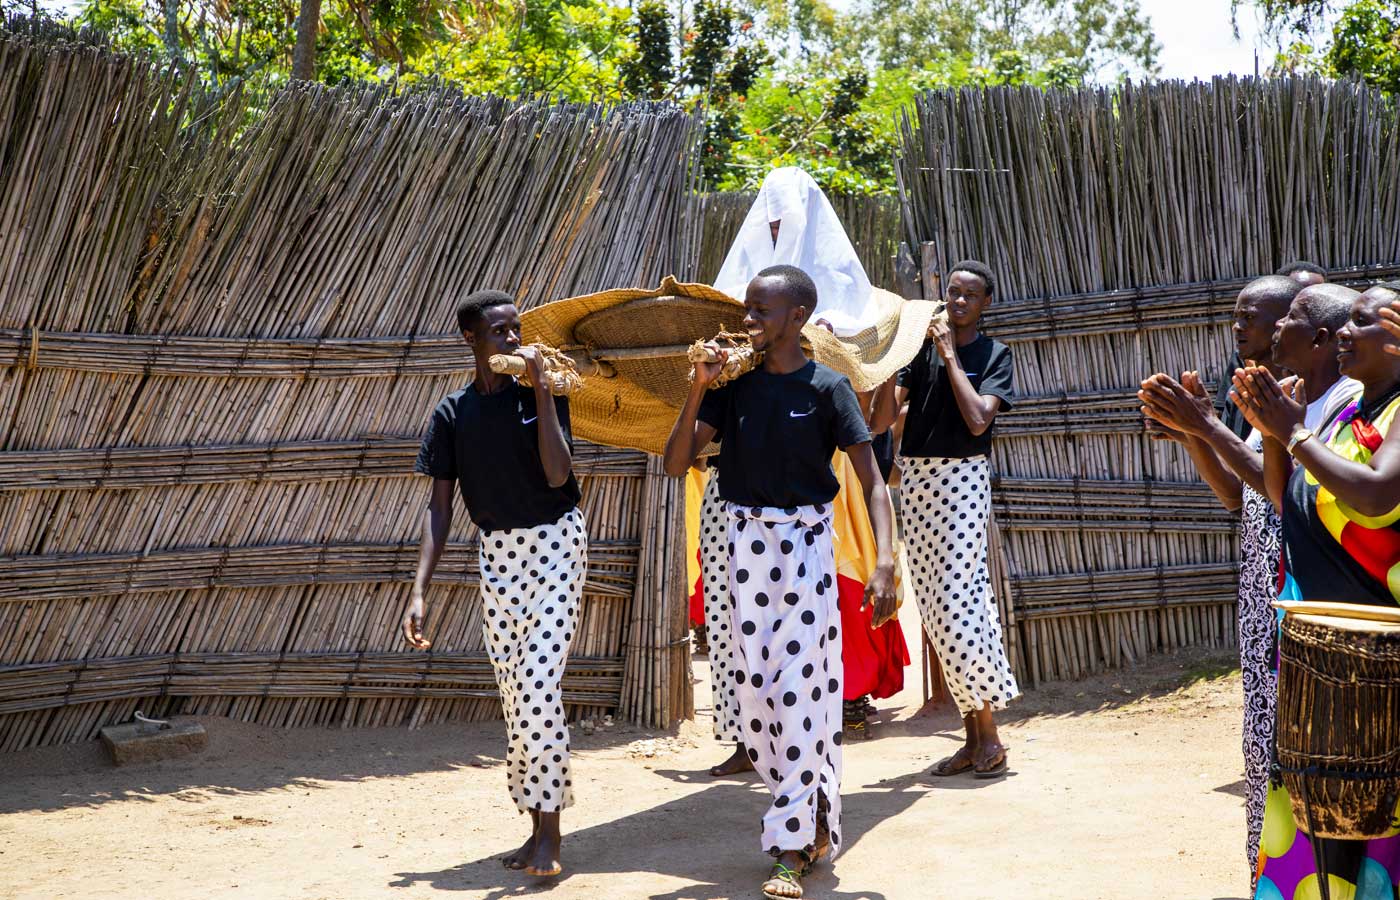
223 325
1120 223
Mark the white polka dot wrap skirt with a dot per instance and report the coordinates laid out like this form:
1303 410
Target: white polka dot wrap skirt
531 584
787 648
945 506
714 576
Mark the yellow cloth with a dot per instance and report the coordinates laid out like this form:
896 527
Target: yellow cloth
695 481
850 523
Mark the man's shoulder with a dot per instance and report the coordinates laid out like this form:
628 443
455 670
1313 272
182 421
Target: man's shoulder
993 348
454 402
826 378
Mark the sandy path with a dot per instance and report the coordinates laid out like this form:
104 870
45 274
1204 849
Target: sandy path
1123 787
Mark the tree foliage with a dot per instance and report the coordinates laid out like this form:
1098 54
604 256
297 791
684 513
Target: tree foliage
774 81
1364 44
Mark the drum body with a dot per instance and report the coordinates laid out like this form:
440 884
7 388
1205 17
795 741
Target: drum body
1338 732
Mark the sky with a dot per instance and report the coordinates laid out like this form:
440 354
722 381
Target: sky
1197 40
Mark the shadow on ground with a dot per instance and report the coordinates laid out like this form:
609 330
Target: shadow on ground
244 758
732 806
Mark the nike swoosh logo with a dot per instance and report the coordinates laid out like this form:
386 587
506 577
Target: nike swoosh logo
529 420
798 415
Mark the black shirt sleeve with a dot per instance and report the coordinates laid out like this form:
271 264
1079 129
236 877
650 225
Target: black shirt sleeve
437 456
847 422
714 408
998 381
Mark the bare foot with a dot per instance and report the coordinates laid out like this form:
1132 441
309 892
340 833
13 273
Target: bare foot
737 762
518 859
544 860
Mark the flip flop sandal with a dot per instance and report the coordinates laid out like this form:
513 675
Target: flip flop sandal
995 771
781 883
942 768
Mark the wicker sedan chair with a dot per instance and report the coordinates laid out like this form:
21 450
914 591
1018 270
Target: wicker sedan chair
630 344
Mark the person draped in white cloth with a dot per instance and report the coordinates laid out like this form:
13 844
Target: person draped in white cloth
780 425
791 222
508 448
954 388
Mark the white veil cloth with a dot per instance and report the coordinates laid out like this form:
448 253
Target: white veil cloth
810 238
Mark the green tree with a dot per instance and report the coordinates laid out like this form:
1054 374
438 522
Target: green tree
1366 43
1101 37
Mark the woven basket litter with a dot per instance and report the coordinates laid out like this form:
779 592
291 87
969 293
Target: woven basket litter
643 335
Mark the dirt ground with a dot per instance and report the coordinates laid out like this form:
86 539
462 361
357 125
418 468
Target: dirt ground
1126 786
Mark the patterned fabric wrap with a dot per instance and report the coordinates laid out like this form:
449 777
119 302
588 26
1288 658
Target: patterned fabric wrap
787 638
1356 870
1317 525
531 584
946 506
1261 532
719 627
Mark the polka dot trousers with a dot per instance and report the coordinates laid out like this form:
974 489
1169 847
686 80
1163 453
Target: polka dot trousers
531 582
787 639
946 505
714 574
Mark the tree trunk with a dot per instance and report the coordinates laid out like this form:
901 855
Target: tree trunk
304 54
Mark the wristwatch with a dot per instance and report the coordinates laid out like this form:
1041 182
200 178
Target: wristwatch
1300 433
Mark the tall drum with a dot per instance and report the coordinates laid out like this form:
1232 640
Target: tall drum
1338 732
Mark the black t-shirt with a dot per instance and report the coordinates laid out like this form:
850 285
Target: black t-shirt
489 443
935 426
779 433
1230 413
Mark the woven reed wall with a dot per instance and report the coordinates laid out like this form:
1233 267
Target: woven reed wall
222 329
1121 223
872 223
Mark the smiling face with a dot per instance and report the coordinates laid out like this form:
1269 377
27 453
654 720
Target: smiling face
967 298
770 314
496 332
1361 342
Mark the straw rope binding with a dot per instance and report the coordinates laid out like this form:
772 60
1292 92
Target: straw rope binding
740 358
560 373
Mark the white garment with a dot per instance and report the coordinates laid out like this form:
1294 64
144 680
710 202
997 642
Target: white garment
1320 412
531 583
787 639
946 507
810 238
714 578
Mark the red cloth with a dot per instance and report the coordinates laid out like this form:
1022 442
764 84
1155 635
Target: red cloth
1367 436
872 660
697 599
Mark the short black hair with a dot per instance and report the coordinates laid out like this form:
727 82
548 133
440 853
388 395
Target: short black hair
1276 290
980 269
474 304
1301 265
796 283
1327 305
